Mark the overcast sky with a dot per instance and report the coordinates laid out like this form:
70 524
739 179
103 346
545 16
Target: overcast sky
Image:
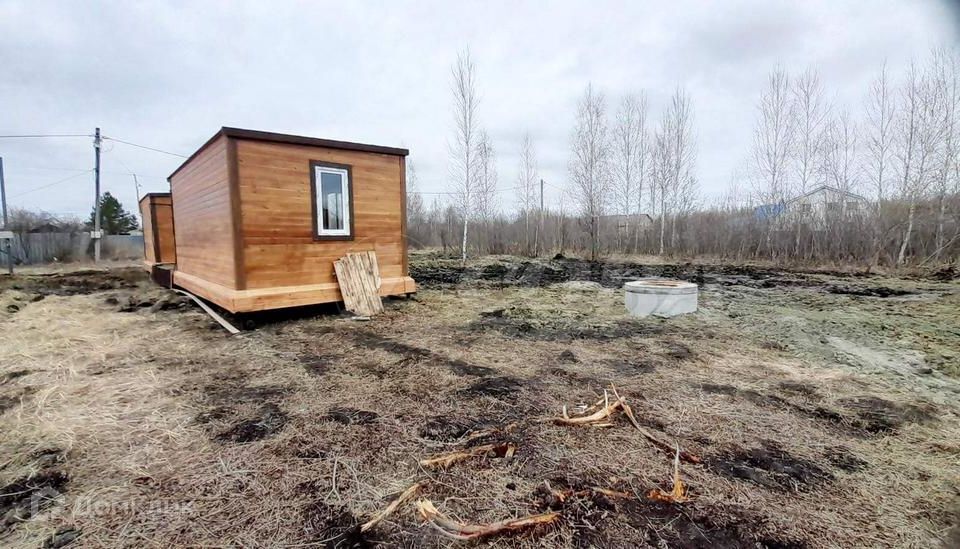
169 74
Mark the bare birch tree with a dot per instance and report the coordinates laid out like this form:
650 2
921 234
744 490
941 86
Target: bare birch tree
947 88
527 187
773 142
463 153
811 111
839 163
589 164
919 132
879 140
629 158
678 130
660 170
487 205
416 213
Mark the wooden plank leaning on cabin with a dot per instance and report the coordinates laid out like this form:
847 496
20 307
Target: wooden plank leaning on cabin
359 280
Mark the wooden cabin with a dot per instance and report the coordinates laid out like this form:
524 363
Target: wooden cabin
260 218
159 247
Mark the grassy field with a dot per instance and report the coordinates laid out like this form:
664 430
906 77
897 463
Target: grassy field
822 408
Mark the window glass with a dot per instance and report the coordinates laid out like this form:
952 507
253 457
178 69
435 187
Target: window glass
332 201
331 193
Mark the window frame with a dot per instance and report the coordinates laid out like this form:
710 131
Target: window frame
317 229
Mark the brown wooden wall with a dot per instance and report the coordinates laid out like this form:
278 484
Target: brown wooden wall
277 225
156 210
204 216
149 254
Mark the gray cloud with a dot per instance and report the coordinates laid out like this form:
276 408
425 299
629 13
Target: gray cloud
169 75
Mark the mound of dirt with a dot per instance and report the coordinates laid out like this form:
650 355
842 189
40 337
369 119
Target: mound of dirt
769 466
352 416
333 526
23 498
494 386
877 415
269 420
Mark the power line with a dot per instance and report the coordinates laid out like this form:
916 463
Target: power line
34 136
68 178
145 147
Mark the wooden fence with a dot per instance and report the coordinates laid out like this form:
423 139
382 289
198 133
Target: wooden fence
34 248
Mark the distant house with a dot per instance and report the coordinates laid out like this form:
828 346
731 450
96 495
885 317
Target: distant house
815 207
46 228
624 222
825 201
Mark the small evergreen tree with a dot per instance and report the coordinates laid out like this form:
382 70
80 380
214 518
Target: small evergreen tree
113 218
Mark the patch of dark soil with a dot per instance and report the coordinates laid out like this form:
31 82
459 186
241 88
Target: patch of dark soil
376 341
170 302
352 416
568 357
62 538
769 466
334 526
564 331
679 352
48 457
215 414
946 274
413 354
269 420
718 389
877 415
446 429
695 527
842 458
462 368
773 401
430 275
631 367
81 282
23 498
232 393
798 388
317 365
876 291
573 378
16 374
493 386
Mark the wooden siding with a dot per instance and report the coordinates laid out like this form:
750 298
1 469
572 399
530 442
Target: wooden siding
204 214
149 256
277 230
158 234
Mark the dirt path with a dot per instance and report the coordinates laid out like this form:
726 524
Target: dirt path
131 419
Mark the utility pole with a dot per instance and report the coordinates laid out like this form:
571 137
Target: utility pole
96 205
6 241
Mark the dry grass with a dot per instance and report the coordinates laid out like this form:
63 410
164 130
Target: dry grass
175 434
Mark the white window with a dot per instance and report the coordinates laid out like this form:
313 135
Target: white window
332 200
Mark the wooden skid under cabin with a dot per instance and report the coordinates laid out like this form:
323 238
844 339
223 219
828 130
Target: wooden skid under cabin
259 218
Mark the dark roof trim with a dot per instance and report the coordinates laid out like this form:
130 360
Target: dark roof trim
254 135
157 195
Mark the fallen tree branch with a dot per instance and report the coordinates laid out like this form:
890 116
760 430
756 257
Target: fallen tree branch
505 450
407 494
460 531
601 418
